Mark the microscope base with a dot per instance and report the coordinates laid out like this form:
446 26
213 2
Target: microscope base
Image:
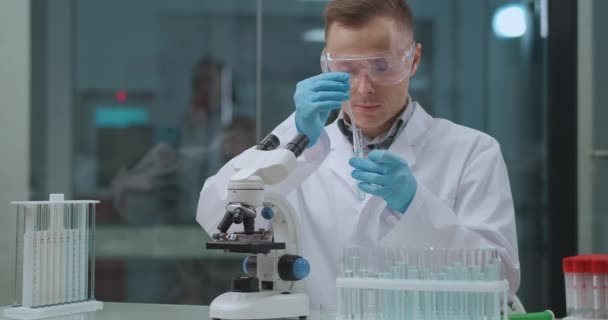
259 305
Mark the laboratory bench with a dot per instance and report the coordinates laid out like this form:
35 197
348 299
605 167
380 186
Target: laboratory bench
138 311
142 311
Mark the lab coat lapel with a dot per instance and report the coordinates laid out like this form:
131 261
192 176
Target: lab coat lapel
418 124
341 153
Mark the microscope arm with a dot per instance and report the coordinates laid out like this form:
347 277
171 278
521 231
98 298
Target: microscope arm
285 224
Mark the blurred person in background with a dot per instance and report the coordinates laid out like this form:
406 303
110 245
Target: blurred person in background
163 185
202 120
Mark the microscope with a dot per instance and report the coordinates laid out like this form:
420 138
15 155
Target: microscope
270 289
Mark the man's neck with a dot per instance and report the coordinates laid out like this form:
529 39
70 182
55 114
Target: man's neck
384 128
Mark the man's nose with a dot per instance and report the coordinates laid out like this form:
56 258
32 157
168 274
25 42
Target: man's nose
362 83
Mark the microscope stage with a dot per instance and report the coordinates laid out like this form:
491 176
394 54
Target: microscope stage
246 246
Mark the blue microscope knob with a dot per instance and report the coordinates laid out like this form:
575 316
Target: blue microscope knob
293 267
267 213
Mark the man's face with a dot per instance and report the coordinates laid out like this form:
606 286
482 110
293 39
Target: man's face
375 106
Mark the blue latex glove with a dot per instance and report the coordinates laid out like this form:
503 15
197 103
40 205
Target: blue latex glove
315 98
386 175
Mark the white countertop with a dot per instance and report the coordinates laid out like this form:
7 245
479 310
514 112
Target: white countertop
142 311
139 311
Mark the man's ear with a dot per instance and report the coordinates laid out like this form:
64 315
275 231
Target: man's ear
417 57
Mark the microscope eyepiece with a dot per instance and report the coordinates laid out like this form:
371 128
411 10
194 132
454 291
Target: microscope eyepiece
270 142
298 144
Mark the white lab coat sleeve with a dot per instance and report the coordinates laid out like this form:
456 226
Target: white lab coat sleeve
482 214
212 200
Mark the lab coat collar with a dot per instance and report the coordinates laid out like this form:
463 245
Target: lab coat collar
415 129
340 153
341 149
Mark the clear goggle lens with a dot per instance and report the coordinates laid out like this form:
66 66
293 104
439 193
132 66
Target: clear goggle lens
384 70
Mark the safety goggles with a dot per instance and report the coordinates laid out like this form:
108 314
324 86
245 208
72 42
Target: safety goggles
381 69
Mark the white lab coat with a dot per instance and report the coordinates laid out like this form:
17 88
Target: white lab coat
463 199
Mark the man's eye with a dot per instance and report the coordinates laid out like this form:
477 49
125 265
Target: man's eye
344 67
380 65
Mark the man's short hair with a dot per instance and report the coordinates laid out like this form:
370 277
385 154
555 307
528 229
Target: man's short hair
357 13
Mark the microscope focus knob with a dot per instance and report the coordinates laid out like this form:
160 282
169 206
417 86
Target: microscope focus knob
267 213
293 267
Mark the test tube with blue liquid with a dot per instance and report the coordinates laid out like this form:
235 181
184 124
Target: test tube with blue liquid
357 143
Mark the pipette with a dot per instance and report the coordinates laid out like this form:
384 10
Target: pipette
357 143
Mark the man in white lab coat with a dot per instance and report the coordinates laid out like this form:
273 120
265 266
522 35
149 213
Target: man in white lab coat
428 181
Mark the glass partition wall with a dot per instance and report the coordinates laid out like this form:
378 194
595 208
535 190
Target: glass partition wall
160 94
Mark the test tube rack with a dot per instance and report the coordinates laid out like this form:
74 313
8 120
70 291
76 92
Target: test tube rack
412 284
55 258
